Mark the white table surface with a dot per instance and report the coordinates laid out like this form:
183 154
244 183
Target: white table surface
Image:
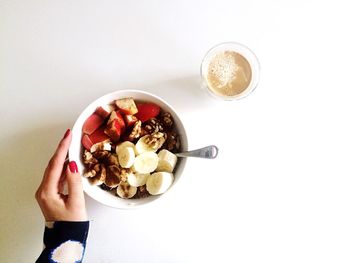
279 190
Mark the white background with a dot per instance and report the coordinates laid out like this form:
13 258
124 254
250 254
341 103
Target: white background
279 191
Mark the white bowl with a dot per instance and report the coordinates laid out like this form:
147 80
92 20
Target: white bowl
76 148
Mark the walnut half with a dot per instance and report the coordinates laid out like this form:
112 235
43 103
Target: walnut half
155 140
153 125
136 131
172 142
113 176
166 119
89 158
100 176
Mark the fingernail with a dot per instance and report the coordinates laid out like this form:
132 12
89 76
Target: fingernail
66 134
73 167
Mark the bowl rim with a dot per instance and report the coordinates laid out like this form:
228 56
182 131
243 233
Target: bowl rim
179 124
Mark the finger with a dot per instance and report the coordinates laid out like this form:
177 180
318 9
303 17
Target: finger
62 184
54 169
75 184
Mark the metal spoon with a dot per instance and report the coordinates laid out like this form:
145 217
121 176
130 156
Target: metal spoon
209 152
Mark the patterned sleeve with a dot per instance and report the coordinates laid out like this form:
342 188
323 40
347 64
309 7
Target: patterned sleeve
64 241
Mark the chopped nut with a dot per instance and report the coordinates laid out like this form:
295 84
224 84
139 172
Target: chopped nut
155 140
153 125
172 142
113 177
95 181
89 158
124 174
114 169
141 192
136 131
101 154
101 146
97 168
90 173
143 132
166 119
112 159
100 176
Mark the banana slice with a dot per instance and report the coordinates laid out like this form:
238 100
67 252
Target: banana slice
146 162
126 157
137 179
124 190
159 183
124 144
167 161
141 146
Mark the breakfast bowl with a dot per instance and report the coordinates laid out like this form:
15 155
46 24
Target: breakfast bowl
78 152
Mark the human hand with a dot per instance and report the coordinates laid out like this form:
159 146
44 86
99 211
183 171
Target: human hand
54 205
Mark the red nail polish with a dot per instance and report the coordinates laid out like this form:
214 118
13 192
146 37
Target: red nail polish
66 134
73 167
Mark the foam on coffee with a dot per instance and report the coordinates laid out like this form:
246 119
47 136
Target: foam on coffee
228 73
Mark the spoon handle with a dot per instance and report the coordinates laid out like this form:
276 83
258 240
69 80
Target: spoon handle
209 152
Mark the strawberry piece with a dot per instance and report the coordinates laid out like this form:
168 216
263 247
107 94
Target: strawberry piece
113 130
127 105
118 116
104 111
92 124
147 111
99 136
96 137
130 120
87 143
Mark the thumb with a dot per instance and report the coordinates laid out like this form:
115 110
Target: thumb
74 182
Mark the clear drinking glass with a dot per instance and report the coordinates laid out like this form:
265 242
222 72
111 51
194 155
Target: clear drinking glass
243 51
